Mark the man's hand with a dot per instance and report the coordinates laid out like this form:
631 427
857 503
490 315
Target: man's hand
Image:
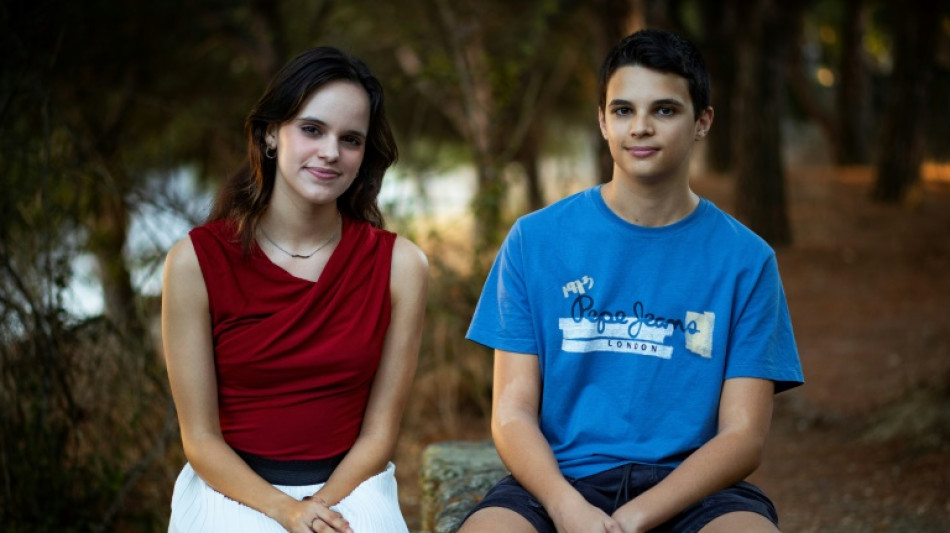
632 518
579 516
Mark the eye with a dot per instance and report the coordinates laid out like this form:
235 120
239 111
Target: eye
665 111
622 111
310 129
353 141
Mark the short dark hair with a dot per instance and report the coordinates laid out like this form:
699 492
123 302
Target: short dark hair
245 196
664 51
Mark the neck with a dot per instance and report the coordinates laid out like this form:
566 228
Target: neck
650 207
301 233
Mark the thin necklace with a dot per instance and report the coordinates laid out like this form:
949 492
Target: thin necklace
298 256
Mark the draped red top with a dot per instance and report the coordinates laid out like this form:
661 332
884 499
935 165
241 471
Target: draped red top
295 359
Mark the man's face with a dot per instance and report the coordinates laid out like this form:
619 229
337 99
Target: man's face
648 122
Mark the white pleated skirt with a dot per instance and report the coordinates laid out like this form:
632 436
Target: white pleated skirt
373 507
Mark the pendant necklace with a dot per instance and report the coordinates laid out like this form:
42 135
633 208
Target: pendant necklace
298 256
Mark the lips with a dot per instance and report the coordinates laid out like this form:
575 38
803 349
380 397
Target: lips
322 173
642 151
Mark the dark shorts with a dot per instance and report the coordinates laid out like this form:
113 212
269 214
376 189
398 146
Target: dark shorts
608 491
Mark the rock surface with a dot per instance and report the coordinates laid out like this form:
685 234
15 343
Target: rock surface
455 476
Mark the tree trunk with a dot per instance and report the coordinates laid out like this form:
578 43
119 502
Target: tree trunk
529 156
760 176
854 112
108 216
666 14
800 82
109 223
617 18
719 48
486 207
902 138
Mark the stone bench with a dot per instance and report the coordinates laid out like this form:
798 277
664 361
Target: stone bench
455 476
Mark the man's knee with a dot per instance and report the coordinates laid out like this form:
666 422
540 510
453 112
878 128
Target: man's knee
744 521
492 519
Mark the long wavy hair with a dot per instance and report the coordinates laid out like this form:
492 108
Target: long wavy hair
244 198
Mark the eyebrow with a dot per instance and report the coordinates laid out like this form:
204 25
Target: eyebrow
319 122
663 101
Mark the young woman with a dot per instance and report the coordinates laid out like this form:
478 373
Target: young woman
291 319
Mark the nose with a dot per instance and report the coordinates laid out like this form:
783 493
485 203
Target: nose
329 148
641 125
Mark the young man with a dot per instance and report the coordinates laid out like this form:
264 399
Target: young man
640 333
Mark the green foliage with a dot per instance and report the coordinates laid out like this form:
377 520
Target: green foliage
81 401
81 422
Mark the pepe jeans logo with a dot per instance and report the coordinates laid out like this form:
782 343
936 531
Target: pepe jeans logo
638 331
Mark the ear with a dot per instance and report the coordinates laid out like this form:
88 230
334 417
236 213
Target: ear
704 122
602 120
270 136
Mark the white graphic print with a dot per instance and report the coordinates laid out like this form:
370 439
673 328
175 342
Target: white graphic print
585 336
700 342
589 329
578 286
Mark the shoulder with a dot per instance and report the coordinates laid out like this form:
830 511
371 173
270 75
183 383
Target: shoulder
566 211
182 257
371 237
219 234
182 266
409 271
183 280
409 259
736 234
577 202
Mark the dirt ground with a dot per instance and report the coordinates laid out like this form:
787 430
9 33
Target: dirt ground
865 444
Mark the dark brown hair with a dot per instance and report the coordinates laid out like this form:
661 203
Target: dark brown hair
663 51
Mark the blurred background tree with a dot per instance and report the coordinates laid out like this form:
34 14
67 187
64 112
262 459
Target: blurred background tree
105 105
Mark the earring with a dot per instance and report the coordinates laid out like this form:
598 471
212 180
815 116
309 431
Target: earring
270 152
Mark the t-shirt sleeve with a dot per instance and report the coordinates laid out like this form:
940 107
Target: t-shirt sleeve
762 343
503 317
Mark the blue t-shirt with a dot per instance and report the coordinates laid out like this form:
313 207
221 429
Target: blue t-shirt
635 328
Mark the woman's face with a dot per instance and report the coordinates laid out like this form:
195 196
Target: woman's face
319 151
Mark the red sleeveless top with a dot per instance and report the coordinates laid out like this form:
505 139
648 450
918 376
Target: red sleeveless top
295 359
